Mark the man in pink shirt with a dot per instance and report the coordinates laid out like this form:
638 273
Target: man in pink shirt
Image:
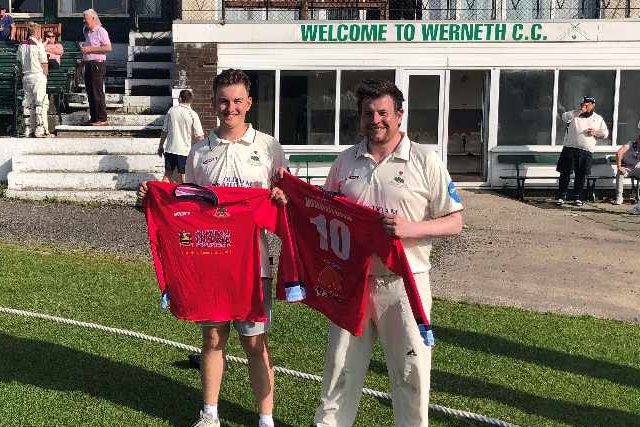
96 45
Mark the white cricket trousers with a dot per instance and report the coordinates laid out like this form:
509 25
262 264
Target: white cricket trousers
390 318
37 103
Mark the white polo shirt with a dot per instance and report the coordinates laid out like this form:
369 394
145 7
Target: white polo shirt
575 136
412 183
251 161
182 125
32 55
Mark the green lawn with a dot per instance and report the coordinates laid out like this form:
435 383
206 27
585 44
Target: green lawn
527 368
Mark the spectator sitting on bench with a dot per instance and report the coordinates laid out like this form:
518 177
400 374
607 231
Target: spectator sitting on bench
5 24
583 127
628 164
54 50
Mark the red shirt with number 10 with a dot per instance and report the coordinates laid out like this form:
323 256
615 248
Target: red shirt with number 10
334 240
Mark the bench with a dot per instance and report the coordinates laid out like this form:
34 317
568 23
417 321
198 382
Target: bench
19 30
9 84
549 160
312 158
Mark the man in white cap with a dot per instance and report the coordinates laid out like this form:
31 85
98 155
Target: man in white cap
583 127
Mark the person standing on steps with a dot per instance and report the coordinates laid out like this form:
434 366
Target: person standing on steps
94 59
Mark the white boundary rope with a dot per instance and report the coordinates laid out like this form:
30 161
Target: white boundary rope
234 359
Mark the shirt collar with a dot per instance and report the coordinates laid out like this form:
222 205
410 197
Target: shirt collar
246 139
401 152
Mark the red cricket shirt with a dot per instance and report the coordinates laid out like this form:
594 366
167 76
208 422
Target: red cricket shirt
334 239
206 248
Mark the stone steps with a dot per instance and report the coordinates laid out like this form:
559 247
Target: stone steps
154 103
87 163
151 73
124 104
85 170
152 57
147 90
78 180
123 197
135 52
150 38
110 98
96 146
72 131
77 119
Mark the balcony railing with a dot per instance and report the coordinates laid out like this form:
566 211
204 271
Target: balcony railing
474 10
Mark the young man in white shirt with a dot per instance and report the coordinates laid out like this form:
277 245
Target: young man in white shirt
235 154
181 126
583 127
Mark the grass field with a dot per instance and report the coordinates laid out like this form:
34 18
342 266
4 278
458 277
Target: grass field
527 368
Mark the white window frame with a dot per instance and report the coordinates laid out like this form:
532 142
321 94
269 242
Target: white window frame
25 14
77 14
335 147
616 99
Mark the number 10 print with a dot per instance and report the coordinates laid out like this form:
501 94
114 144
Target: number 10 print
339 236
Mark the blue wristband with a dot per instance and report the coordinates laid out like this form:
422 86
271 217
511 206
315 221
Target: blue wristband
295 293
164 300
427 335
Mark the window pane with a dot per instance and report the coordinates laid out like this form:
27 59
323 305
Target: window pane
80 6
26 6
476 9
424 109
65 6
343 14
525 110
307 107
573 85
349 120
110 7
263 93
628 106
259 14
405 9
576 9
528 9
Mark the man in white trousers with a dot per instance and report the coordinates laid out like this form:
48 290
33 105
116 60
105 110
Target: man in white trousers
34 67
411 188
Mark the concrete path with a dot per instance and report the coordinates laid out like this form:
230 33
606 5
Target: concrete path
531 255
537 256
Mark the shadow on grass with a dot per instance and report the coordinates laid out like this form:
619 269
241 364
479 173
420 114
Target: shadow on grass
619 374
572 413
55 367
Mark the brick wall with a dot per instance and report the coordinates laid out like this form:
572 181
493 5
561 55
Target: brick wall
199 62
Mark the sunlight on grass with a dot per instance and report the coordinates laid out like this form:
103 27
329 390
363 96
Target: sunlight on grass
527 368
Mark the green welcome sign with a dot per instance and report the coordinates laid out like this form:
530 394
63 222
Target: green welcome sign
422 32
